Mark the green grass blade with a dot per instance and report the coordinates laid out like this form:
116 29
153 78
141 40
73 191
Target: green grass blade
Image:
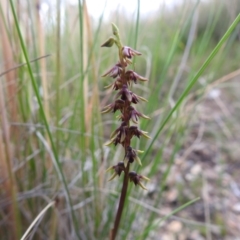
154 226
36 91
194 80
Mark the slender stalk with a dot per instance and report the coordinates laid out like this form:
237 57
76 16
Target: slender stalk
81 81
43 69
121 204
58 69
36 220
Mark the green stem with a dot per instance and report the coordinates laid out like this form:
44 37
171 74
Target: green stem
58 69
116 34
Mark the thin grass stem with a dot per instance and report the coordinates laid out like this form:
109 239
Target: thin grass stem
42 113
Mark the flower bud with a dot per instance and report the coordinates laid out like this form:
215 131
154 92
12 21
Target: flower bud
114 29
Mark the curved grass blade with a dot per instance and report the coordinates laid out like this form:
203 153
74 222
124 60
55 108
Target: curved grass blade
154 226
24 237
194 80
42 113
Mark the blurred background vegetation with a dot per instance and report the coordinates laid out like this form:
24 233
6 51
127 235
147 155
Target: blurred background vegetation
52 134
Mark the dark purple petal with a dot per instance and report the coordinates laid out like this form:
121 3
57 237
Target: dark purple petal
129 52
114 71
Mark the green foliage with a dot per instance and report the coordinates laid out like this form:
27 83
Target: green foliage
58 133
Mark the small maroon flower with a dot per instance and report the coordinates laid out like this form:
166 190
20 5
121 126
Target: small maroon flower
134 131
136 179
114 71
131 155
129 52
119 135
134 114
116 85
125 93
117 170
136 98
117 105
133 76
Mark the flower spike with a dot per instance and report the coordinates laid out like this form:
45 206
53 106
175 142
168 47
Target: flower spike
123 79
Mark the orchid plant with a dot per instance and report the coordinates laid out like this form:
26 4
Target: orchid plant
124 103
